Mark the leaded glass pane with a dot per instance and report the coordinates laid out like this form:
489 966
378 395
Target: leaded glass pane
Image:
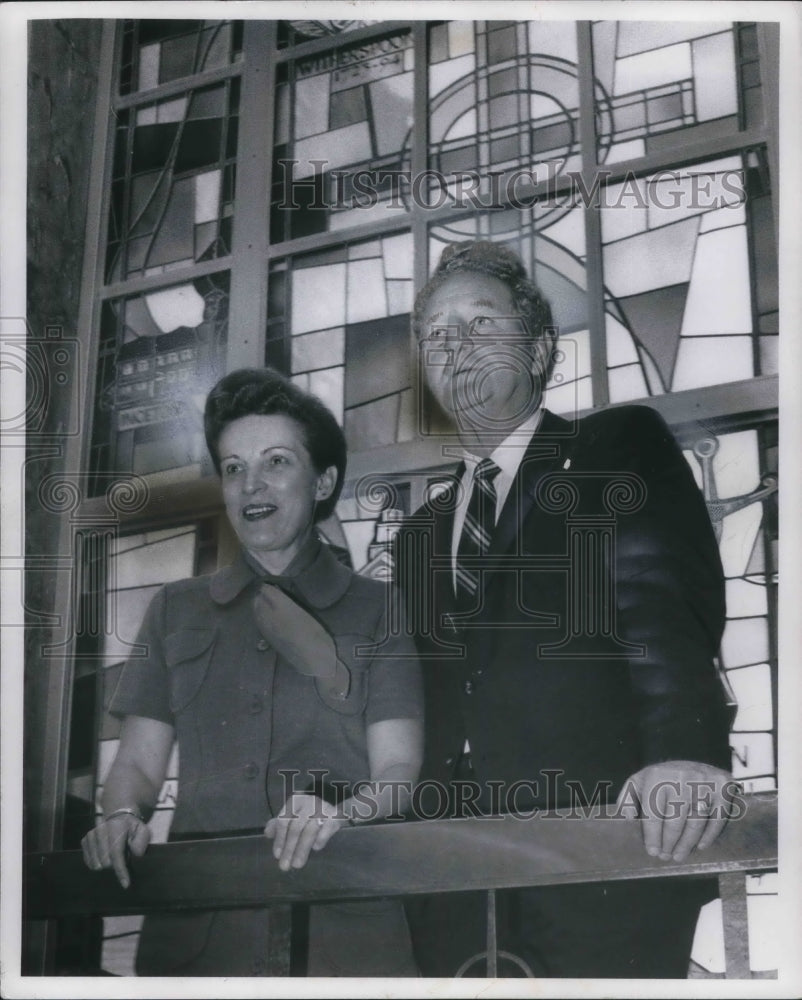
679 260
138 565
503 97
663 78
172 198
160 353
297 32
160 51
347 333
741 501
341 137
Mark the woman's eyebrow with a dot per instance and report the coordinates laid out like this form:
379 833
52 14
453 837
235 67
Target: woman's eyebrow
484 302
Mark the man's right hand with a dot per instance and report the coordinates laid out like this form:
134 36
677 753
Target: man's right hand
107 844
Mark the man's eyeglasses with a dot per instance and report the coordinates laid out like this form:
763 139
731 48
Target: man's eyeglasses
506 328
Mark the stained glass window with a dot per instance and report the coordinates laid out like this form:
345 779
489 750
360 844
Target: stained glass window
172 192
682 307
503 96
342 124
660 78
160 353
345 315
138 565
159 51
297 32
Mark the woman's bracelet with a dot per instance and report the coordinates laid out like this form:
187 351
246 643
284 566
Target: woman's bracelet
125 811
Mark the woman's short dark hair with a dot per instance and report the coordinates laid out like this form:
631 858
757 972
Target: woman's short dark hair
497 261
264 392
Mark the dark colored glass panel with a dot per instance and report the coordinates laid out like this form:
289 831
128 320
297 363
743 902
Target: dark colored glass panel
761 218
127 57
112 249
376 359
210 102
706 130
347 107
116 210
147 203
750 74
629 116
232 137
559 136
753 106
121 145
277 294
503 82
306 220
661 109
501 45
747 37
205 239
226 227
82 722
655 319
200 144
454 160
156 31
152 146
438 43
373 425
505 149
229 181
236 37
504 111
178 58
769 323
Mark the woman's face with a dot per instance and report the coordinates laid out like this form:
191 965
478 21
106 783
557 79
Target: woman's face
270 486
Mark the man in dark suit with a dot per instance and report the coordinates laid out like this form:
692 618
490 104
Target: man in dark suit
568 599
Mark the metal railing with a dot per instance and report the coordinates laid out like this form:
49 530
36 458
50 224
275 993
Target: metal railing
405 859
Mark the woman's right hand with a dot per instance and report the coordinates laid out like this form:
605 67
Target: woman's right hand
106 846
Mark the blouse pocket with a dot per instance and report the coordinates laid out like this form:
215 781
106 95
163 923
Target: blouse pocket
188 653
330 691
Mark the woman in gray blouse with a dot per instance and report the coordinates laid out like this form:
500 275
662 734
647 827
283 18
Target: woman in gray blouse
260 673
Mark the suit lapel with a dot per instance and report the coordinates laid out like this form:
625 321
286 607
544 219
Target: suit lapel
544 454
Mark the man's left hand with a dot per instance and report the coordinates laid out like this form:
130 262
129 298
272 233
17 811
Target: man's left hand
682 805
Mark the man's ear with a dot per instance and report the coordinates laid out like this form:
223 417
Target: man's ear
326 482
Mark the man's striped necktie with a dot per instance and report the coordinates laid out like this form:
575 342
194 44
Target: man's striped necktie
480 519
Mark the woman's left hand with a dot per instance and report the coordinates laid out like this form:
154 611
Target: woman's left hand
306 823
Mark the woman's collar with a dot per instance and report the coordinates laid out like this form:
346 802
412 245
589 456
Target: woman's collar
318 577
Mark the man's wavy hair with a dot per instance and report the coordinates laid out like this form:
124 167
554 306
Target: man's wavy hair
264 392
497 261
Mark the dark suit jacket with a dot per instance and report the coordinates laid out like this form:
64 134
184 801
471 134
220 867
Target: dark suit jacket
591 650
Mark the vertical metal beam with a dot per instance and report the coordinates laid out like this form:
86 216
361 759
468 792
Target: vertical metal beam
248 303
279 941
593 242
732 890
492 942
768 40
418 163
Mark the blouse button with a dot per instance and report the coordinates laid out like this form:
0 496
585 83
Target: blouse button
250 770
262 645
468 687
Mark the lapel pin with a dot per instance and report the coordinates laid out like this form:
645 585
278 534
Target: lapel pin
567 464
